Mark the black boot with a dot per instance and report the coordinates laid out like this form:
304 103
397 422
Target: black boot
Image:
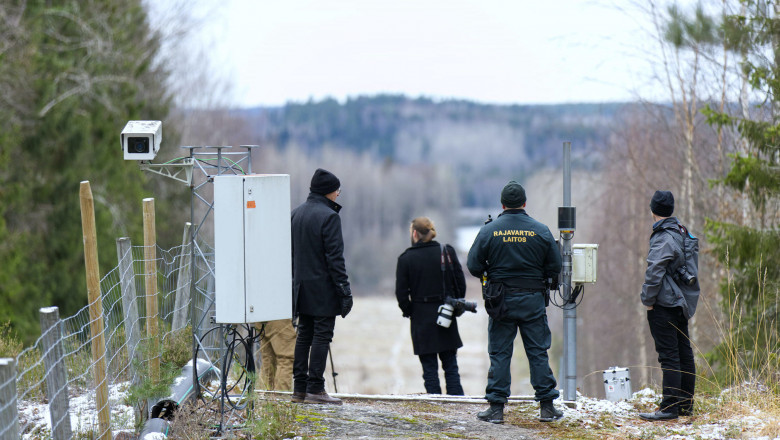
547 412
494 414
659 415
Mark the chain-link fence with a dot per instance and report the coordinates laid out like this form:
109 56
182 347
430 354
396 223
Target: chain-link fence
57 379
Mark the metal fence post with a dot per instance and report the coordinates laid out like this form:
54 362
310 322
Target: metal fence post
124 252
56 376
9 415
129 299
183 280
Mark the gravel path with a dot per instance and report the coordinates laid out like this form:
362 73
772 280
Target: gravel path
362 419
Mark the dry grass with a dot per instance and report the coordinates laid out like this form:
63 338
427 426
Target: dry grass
192 423
10 345
771 429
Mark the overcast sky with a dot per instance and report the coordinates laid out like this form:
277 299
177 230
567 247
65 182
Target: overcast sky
491 51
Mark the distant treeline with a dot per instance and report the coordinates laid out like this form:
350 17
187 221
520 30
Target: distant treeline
484 144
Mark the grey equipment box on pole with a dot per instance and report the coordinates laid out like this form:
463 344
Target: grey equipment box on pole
617 384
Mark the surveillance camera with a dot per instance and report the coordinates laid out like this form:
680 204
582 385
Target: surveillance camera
141 139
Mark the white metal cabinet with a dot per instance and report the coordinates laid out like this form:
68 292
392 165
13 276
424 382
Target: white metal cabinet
253 256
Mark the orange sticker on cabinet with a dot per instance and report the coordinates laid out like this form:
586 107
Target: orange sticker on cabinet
251 204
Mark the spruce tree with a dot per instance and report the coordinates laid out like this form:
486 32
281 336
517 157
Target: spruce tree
74 73
748 245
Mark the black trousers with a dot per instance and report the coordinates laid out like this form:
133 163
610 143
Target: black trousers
670 333
449 363
527 314
311 352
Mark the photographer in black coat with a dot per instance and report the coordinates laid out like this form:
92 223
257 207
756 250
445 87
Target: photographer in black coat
421 287
320 285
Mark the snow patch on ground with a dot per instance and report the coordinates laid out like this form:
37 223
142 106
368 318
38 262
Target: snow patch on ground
35 418
625 416
588 413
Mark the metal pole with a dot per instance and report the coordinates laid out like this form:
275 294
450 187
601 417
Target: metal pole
193 287
569 308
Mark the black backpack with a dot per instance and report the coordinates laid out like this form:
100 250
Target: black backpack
686 270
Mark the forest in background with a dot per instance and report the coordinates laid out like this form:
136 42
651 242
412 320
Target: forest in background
73 72
482 144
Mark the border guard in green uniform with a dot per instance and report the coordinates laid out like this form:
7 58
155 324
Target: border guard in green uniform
515 254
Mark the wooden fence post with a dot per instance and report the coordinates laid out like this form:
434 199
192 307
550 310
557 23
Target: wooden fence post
181 306
9 414
150 275
56 376
95 309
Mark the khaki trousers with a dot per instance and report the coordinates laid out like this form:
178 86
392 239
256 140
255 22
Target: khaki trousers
277 352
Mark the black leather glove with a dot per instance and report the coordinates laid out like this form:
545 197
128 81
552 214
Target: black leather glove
346 300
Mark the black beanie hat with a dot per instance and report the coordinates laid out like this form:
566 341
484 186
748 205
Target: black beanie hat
662 204
324 182
513 195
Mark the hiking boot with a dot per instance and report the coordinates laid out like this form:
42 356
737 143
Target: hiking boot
298 396
494 414
321 398
547 412
658 415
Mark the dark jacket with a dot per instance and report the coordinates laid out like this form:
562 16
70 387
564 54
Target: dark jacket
317 257
515 246
664 255
420 292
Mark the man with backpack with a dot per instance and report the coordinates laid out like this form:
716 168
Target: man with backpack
670 293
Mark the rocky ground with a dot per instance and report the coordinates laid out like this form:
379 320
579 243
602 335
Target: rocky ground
408 419
414 417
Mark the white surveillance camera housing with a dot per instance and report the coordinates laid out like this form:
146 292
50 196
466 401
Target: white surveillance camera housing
141 139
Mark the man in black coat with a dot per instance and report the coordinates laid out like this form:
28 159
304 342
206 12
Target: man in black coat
425 274
320 285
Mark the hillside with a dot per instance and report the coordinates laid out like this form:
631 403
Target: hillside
484 144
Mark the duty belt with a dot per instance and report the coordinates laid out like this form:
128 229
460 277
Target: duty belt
524 284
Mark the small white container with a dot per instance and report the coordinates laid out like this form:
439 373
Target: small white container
584 259
617 384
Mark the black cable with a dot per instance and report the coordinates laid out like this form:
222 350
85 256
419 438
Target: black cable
576 298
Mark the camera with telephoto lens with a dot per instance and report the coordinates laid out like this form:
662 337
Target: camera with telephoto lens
453 307
681 275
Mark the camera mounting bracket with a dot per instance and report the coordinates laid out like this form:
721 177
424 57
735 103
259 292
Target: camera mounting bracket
181 171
